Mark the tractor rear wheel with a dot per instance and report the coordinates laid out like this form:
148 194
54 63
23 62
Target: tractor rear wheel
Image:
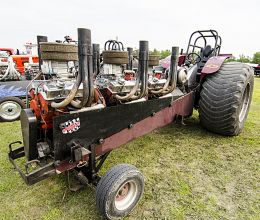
225 99
119 190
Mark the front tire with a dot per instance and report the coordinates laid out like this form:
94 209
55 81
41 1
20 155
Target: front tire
225 99
119 190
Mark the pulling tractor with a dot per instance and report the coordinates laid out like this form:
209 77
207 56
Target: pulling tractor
84 107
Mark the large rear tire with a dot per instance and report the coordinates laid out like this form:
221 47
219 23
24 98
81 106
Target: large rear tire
225 99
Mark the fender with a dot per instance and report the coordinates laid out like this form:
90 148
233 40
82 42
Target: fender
213 65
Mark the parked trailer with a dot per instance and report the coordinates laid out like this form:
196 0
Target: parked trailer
73 124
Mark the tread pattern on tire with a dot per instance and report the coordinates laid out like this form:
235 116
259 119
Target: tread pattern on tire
221 96
107 181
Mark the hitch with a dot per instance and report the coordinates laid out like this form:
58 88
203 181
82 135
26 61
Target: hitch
35 176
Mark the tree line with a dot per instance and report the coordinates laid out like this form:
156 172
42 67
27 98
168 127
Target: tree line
242 58
246 59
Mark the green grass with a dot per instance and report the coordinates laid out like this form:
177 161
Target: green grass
189 173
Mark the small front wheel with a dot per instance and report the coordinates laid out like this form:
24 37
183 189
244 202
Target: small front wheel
119 190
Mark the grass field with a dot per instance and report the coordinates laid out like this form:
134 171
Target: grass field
189 174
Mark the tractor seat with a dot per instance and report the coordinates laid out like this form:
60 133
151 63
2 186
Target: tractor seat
206 53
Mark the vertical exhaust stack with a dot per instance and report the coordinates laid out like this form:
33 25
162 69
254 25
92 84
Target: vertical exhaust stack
39 40
130 58
142 76
171 82
143 67
173 67
86 65
96 59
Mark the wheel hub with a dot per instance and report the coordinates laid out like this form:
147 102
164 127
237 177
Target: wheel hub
122 192
10 110
126 195
245 103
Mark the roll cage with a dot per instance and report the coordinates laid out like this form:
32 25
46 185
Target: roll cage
206 35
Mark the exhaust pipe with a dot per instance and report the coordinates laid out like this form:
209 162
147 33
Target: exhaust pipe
143 67
173 67
85 74
86 65
96 59
39 40
129 66
171 82
142 74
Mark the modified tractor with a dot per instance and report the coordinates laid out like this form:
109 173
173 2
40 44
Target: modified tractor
85 103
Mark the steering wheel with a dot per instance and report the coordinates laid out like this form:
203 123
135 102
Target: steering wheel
193 58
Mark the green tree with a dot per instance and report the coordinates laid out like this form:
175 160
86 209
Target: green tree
165 53
155 52
256 58
244 59
231 59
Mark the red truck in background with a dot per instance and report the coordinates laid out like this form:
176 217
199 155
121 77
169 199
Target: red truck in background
18 59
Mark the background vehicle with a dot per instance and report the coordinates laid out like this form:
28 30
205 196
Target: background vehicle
12 99
19 59
85 109
13 83
257 70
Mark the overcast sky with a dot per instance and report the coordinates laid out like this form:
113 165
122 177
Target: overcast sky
164 23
